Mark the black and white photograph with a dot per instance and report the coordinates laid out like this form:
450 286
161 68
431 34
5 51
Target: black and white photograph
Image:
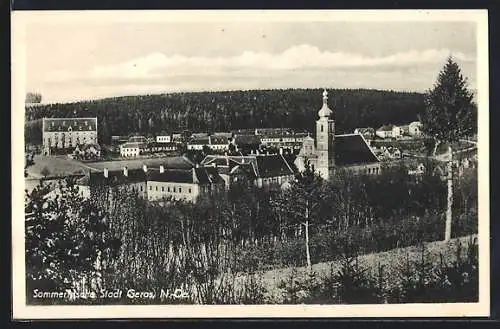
246 163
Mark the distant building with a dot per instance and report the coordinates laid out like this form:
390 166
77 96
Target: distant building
132 149
385 131
138 139
246 143
215 143
330 151
414 128
368 133
67 133
396 131
87 151
163 138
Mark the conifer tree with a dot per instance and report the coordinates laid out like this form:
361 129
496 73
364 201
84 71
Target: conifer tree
302 201
450 115
66 237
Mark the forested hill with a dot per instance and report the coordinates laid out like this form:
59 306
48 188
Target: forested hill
225 111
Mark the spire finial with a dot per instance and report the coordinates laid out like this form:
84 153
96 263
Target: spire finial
325 111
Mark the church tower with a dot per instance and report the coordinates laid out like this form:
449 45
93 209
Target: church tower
325 140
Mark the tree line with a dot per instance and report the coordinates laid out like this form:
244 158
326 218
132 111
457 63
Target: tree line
229 110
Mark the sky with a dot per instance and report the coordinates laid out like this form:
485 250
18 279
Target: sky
77 60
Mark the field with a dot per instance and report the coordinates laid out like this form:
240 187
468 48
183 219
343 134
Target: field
56 166
63 166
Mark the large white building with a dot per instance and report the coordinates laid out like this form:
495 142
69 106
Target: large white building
330 151
65 133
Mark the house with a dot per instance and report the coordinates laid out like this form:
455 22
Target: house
87 151
163 138
396 131
187 185
138 139
103 183
405 130
414 129
133 149
368 133
67 133
392 153
159 147
259 170
246 143
385 131
166 183
215 143
329 151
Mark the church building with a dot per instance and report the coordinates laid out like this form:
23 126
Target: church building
329 151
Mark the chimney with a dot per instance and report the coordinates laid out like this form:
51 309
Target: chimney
251 151
162 170
281 150
145 168
197 166
257 152
106 172
125 171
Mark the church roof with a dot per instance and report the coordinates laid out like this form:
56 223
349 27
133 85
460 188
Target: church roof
351 149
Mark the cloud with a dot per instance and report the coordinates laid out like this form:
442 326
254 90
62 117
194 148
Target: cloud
300 57
302 66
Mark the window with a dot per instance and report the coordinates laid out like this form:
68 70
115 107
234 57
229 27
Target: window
189 190
174 189
150 187
180 190
156 188
321 128
168 188
141 188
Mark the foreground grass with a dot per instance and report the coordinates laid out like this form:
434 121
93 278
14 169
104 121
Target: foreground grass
391 260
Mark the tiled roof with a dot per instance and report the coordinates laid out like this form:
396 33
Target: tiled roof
115 177
274 131
133 145
262 165
247 140
366 130
386 128
201 175
70 124
218 140
352 149
272 165
199 141
137 139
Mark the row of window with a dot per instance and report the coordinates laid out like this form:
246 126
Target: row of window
174 189
374 170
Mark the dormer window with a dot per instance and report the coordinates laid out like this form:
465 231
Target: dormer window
70 129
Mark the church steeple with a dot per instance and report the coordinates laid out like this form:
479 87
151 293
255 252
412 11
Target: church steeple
325 139
325 111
